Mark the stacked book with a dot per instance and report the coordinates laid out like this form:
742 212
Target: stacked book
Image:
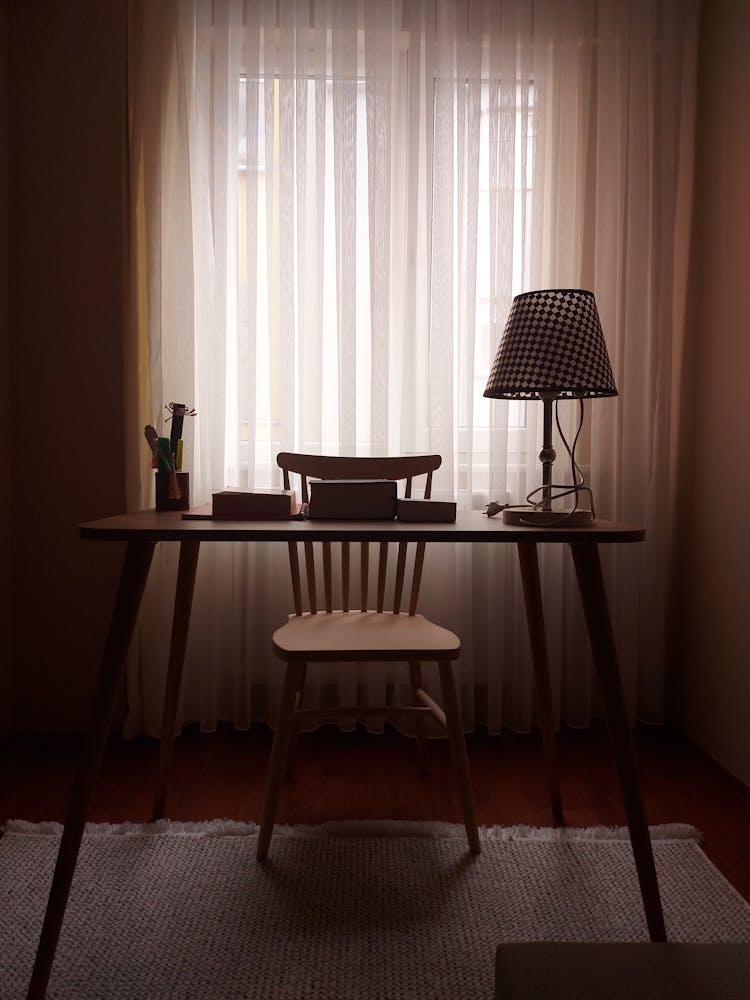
254 505
250 505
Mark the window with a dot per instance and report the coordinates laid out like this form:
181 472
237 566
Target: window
506 119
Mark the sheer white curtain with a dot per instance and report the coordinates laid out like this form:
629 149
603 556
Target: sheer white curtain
333 204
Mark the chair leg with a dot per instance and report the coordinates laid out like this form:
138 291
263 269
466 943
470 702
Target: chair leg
415 680
279 752
294 738
458 753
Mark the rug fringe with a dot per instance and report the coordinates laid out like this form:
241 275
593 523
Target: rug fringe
665 831
356 828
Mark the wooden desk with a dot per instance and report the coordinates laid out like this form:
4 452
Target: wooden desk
144 530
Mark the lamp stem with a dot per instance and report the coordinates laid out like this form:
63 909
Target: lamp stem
547 455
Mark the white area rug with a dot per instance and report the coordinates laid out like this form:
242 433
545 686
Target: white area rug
340 911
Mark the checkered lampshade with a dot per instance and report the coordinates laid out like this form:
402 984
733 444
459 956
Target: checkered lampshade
552 344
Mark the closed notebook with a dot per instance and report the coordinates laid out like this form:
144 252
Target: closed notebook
353 499
253 504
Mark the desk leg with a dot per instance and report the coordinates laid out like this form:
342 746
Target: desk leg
183 603
593 596
532 593
132 583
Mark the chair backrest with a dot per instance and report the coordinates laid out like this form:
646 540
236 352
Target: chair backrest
340 467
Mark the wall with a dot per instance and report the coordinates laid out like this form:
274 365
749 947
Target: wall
6 610
711 683
67 86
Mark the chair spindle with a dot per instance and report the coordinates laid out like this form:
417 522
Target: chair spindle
364 574
416 578
310 568
400 571
327 576
296 583
345 576
382 568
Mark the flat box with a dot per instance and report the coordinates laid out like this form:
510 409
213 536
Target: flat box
251 505
425 510
353 499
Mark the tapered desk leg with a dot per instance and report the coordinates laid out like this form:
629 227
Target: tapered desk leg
183 604
532 593
593 596
132 583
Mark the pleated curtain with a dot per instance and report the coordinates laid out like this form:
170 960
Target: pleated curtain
332 206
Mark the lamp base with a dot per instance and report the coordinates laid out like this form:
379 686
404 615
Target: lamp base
547 518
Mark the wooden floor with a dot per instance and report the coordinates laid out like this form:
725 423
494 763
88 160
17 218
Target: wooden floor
355 775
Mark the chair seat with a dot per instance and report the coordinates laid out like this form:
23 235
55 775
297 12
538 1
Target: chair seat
364 635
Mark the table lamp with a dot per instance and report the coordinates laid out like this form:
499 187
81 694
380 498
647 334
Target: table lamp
552 348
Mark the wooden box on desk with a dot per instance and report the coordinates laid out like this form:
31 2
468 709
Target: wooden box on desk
238 504
408 509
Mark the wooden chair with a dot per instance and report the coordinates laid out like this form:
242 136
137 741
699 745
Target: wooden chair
362 635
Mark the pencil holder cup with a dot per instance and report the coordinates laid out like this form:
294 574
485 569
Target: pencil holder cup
163 499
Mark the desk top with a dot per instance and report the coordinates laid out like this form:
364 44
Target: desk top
470 526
